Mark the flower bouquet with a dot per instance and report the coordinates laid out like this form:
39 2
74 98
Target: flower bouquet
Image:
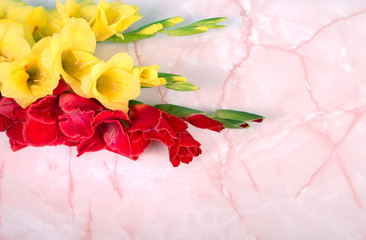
55 91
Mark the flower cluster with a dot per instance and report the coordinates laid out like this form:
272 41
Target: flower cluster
39 46
69 119
55 91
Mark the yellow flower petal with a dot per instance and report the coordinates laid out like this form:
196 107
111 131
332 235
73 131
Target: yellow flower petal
113 18
148 76
29 79
75 65
33 19
112 83
78 35
13 45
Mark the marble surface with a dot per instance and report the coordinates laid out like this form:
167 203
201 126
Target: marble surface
301 174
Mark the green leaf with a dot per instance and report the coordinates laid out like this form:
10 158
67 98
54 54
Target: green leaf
178 111
235 115
181 86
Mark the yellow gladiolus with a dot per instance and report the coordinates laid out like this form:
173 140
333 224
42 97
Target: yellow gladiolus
60 16
149 76
112 83
5 5
33 19
73 8
74 47
32 77
13 46
111 18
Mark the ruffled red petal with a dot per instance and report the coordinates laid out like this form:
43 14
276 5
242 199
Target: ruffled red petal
144 117
39 134
76 124
61 87
106 116
115 137
91 144
15 133
7 106
70 102
202 121
16 146
177 124
44 110
5 123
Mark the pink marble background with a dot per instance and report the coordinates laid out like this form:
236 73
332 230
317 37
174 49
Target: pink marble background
299 175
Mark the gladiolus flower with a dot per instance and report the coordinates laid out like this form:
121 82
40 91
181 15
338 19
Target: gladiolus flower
32 77
109 133
112 83
148 76
5 5
149 123
33 19
111 18
73 48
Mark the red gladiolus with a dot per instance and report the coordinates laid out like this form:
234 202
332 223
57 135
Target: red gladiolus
155 124
60 120
202 121
7 116
15 132
149 123
184 149
109 133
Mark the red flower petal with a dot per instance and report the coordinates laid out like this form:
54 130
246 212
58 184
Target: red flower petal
7 106
115 137
144 117
39 134
70 102
44 111
184 149
259 120
76 124
202 121
15 133
5 123
61 87
107 116
177 124
15 145
92 144
165 136
137 148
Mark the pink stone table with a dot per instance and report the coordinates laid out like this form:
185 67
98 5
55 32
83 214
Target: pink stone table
301 174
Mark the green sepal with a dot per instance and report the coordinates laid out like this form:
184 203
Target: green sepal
129 37
209 22
233 124
133 102
214 26
181 86
235 115
165 22
178 111
171 77
185 31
